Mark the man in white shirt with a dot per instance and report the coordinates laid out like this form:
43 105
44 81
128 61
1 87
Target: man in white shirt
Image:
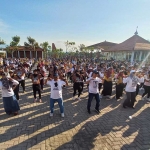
93 91
56 93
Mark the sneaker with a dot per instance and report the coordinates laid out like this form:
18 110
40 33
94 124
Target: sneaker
35 100
51 114
73 98
40 101
79 98
62 115
97 110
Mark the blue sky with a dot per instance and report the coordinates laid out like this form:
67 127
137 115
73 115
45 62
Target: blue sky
81 21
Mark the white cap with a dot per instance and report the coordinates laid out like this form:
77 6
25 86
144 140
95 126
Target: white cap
132 71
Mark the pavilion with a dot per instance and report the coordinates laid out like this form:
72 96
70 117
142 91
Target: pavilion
25 52
135 48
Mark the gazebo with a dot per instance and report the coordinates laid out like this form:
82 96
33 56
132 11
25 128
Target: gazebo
23 52
135 48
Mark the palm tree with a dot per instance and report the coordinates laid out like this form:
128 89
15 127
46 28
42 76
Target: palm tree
31 43
68 45
46 47
13 45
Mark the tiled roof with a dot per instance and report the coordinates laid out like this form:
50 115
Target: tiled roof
142 46
105 43
133 43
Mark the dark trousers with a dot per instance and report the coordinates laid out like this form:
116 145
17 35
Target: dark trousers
68 75
129 101
107 88
77 86
82 85
22 82
36 87
99 86
141 85
137 89
147 91
41 83
119 90
16 92
91 95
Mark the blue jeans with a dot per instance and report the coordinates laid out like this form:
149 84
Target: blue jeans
91 95
60 103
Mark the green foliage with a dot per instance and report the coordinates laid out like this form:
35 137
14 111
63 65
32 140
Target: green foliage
46 47
58 53
13 44
31 41
16 39
81 47
69 45
1 42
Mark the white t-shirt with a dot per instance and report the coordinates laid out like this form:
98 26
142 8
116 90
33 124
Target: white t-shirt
90 74
147 83
19 73
56 91
101 74
131 83
6 92
72 70
93 85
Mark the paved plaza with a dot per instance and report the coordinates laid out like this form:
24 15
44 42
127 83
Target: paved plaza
110 130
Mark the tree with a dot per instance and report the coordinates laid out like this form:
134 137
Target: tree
46 47
58 53
1 42
32 44
69 45
81 49
13 45
90 49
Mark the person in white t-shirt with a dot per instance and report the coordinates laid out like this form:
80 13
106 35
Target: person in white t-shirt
56 93
131 83
93 91
146 86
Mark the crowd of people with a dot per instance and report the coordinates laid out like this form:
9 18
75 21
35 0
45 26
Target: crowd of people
98 76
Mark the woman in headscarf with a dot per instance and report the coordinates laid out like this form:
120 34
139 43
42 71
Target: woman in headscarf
11 105
119 85
107 85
